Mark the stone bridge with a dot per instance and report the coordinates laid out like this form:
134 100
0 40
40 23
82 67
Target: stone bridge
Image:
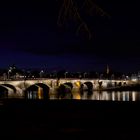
20 87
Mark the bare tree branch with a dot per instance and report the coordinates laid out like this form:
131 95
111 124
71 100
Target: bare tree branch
70 10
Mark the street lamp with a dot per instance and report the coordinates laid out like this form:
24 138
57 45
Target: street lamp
41 74
101 76
9 71
65 74
24 75
85 75
112 77
4 76
80 76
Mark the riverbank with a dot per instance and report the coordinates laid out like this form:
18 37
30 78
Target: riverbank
57 118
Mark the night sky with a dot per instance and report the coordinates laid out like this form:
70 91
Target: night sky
30 37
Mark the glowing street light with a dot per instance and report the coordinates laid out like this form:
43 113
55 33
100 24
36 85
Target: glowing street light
41 74
65 74
9 71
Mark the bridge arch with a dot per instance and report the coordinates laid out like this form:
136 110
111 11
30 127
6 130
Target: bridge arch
37 91
65 90
87 86
7 90
119 84
10 86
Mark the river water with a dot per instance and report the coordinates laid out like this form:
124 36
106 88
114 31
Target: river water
103 95
95 95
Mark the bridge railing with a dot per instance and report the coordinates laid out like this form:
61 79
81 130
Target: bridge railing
24 79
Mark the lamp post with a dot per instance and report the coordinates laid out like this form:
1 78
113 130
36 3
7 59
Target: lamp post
85 75
9 71
65 74
101 76
112 77
4 76
41 74
24 75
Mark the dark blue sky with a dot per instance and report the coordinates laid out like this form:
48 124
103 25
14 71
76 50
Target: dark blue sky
30 37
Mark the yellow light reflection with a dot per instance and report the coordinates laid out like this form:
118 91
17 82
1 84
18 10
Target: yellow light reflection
77 96
40 93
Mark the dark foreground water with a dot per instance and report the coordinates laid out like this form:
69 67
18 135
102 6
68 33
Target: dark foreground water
96 115
64 119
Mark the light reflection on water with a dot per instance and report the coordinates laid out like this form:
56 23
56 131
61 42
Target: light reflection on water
95 95
104 95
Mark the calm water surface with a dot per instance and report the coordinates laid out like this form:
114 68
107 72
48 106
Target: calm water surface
103 95
95 95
